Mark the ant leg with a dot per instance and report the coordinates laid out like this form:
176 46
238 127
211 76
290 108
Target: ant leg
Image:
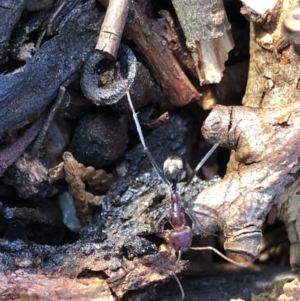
139 130
220 254
200 164
163 215
196 220
175 276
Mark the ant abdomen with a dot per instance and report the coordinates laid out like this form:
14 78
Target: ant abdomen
181 240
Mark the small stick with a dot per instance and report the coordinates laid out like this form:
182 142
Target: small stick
112 28
12 152
47 26
152 124
52 18
41 136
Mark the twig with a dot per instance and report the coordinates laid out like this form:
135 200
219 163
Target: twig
154 123
112 28
39 140
11 153
151 39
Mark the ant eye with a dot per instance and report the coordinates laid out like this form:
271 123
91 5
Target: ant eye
173 169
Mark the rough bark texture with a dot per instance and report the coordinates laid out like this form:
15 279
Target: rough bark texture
274 64
273 83
264 172
53 64
119 250
10 12
208 37
116 245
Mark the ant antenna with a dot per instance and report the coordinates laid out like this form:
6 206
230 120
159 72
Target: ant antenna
201 249
175 276
140 133
204 159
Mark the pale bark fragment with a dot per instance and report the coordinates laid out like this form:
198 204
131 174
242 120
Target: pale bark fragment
274 81
260 7
266 168
210 57
208 36
274 63
20 285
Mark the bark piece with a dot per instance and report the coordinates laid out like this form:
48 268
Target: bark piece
274 63
42 287
208 36
10 12
29 177
10 153
266 169
53 64
33 5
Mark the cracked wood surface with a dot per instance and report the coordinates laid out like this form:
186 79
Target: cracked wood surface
266 143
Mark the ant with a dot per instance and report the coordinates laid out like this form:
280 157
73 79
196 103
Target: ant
180 238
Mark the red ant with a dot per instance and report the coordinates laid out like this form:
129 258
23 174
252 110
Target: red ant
181 236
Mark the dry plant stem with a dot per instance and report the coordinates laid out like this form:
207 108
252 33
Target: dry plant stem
152 40
208 36
112 28
41 136
9 154
52 18
266 168
152 124
76 174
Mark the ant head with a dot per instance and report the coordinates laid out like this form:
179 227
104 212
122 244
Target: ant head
173 169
